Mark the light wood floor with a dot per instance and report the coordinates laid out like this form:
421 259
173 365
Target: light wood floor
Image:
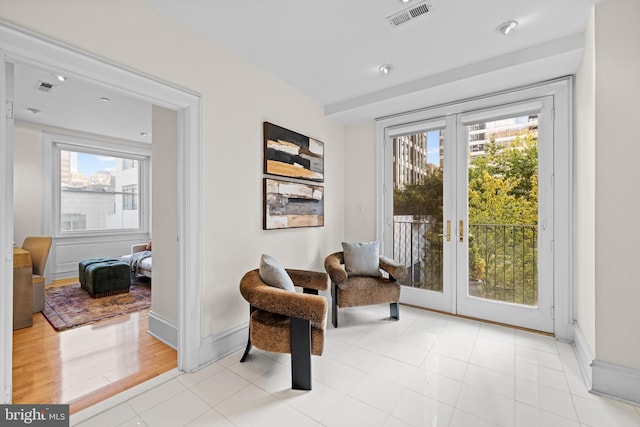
85 365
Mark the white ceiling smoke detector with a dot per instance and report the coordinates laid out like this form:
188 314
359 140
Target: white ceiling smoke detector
409 14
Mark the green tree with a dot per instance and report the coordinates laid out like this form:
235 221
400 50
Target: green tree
503 212
421 199
424 202
505 181
494 199
503 217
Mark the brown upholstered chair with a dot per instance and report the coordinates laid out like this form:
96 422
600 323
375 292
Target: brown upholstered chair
354 291
39 247
283 321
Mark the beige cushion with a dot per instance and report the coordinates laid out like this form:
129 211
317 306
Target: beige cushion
362 259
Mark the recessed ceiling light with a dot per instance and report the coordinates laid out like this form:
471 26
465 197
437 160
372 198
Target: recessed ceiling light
385 69
404 1
506 27
33 110
105 99
144 134
60 77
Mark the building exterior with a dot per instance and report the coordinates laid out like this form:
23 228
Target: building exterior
501 132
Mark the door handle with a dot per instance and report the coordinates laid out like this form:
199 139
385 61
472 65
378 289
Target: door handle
448 233
461 227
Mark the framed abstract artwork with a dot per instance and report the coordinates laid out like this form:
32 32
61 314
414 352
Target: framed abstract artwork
292 204
293 155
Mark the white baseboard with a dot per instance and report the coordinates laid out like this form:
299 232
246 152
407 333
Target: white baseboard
583 354
164 330
616 381
603 378
219 345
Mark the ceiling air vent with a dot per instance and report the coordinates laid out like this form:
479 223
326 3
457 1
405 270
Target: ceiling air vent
45 86
409 14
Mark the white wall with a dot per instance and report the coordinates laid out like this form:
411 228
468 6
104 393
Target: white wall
164 217
237 98
617 288
584 192
28 182
360 182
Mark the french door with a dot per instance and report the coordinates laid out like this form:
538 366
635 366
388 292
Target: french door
470 214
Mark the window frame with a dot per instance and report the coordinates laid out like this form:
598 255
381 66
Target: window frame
55 143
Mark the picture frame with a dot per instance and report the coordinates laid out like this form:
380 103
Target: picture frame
289 204
291 154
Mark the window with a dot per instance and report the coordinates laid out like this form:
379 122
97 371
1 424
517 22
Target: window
99 190
130 197
70 222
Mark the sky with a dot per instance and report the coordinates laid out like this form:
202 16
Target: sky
89 164
433 147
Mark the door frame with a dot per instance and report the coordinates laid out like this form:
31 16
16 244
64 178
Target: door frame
562 91
18 45
445 300
539 317
6 230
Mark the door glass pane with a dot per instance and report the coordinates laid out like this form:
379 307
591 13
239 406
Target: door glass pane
417 208
503 210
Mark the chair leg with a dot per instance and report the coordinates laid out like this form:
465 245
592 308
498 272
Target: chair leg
395 310
334 304
247 349
300 354
249 345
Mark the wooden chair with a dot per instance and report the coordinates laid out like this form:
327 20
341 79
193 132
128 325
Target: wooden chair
39 247
283 321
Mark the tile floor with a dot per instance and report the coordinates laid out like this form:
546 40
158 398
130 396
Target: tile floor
427 369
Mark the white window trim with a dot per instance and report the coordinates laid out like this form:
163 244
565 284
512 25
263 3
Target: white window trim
54 143
562 92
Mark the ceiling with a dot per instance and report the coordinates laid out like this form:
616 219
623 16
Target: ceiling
331 51
79 105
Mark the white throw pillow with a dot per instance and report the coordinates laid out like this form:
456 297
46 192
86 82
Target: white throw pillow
273 274
362 259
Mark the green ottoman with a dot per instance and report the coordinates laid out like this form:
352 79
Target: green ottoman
82 267
107 278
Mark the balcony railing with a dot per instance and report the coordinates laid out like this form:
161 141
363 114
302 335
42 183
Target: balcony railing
502 258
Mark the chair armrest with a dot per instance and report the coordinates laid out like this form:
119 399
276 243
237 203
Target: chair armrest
334 266
395 269
309 279
274 300
138 248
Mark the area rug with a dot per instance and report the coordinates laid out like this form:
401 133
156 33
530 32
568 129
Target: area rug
71 306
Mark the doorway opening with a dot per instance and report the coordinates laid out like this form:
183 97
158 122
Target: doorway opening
183 332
